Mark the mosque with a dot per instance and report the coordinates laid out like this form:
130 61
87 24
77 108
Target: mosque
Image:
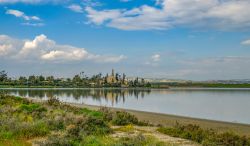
112 79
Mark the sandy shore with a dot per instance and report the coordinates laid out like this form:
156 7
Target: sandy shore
170 120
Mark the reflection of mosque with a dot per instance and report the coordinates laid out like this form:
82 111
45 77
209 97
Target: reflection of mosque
111 95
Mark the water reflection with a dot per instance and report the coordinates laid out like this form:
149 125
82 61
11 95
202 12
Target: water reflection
113 95
217 104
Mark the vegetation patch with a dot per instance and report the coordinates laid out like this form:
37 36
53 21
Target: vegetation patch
32 108
57 123
92 113
205 137
61 124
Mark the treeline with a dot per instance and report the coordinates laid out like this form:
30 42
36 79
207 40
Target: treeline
200 85
78 81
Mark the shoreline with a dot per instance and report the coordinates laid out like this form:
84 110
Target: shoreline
169 120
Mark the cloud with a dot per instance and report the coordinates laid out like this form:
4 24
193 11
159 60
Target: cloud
246 42
4 49
212 14
156 57
154 60
8 45
107 58
43 49
76 8
28 1
125 1
91 3
22 15
76 54
99 17
33 24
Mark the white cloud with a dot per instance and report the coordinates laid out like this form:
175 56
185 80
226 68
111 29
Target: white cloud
214 14
8 45
76 8
107 58
28 1
246 42
154 60
99 17
76 54
22 15
33 24
4 49
125 1
156 57
44 49
36 47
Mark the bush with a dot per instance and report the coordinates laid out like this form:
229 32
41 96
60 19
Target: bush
53 101
88 112
139 140
56 140
107 114
96 126
58 123
29 130
74 132
231 139
123 118
205 137
32 108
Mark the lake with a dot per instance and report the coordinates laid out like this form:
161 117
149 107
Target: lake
232 105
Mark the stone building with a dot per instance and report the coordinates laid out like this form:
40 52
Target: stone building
111 79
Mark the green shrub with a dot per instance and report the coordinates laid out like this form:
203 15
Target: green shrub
98 141
205 137
231 139
88 112
53 101
57 123
123 118
139 140
6 135
74 133
11 100
107 114
56 140
29 130
32 108
93 125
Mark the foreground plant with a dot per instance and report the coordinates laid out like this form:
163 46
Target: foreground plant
205 137
57 123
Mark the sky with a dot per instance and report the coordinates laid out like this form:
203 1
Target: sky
173 39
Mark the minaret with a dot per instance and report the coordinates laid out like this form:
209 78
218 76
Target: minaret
113 72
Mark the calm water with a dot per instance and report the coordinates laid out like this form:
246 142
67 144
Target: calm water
231 105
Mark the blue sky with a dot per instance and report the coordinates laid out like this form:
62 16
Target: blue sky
176 39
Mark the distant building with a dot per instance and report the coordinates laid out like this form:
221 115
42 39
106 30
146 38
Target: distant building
115 78
111 79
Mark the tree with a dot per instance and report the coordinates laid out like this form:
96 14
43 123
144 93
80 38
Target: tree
76 79
22 80
50 79
142 81
41 78
3 76
117 76
123 78
32 79
136 81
